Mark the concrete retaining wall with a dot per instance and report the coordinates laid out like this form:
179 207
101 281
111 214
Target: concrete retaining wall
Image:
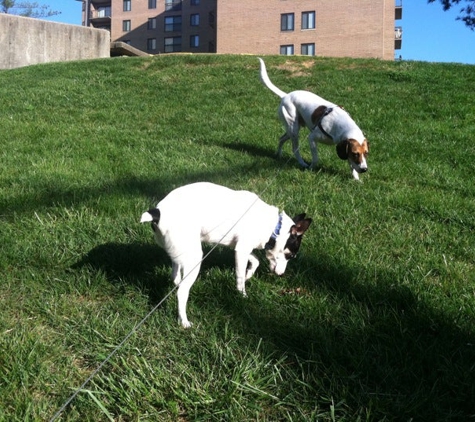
26 41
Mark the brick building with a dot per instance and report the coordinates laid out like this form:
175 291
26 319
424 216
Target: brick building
338 28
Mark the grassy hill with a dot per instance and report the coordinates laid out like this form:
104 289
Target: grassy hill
373 321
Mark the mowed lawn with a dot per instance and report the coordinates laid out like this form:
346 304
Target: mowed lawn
374 320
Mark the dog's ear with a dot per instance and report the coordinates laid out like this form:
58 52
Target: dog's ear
342 149
298 217
367 144
301 226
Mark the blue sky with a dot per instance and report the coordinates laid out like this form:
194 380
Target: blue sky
429 33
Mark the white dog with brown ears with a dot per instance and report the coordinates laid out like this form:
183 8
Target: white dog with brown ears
327 122
205 212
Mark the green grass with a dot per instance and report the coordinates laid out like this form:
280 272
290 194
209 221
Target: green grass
374 321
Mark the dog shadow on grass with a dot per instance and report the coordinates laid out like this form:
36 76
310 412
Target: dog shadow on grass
376 347
287 160
144 265
133 263
250 149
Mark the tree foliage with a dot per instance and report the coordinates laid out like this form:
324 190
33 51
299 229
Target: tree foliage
27 8
467 12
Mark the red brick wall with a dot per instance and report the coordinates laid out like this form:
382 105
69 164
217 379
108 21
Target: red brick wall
353 28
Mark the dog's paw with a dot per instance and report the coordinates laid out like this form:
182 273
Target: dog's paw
355 175
243 292
185 324
303 164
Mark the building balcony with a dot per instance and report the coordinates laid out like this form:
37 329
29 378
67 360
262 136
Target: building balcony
397 38
100 16
398 33
398 10
98 3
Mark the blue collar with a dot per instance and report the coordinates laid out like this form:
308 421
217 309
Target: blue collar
271 243
277 228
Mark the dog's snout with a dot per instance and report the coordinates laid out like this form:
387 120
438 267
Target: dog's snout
363 169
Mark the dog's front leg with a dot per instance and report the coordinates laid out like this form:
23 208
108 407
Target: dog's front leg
296 151
189 265
354 173
313 149
242 272
176 273
253 263
182 296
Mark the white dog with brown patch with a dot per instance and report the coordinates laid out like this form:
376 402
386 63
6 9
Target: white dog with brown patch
327 122
205 212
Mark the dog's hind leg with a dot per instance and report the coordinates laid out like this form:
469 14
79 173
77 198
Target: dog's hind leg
283 139
289 117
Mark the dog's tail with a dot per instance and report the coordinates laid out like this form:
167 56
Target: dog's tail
266 81
151 216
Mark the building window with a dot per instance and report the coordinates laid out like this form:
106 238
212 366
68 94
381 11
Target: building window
151 44
287 22
308 20
211 19
195 19
172 5
152 4
104 12
126 26
287 50
127 5
194 41
152 23
195 2
308 49
172 44
172 23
